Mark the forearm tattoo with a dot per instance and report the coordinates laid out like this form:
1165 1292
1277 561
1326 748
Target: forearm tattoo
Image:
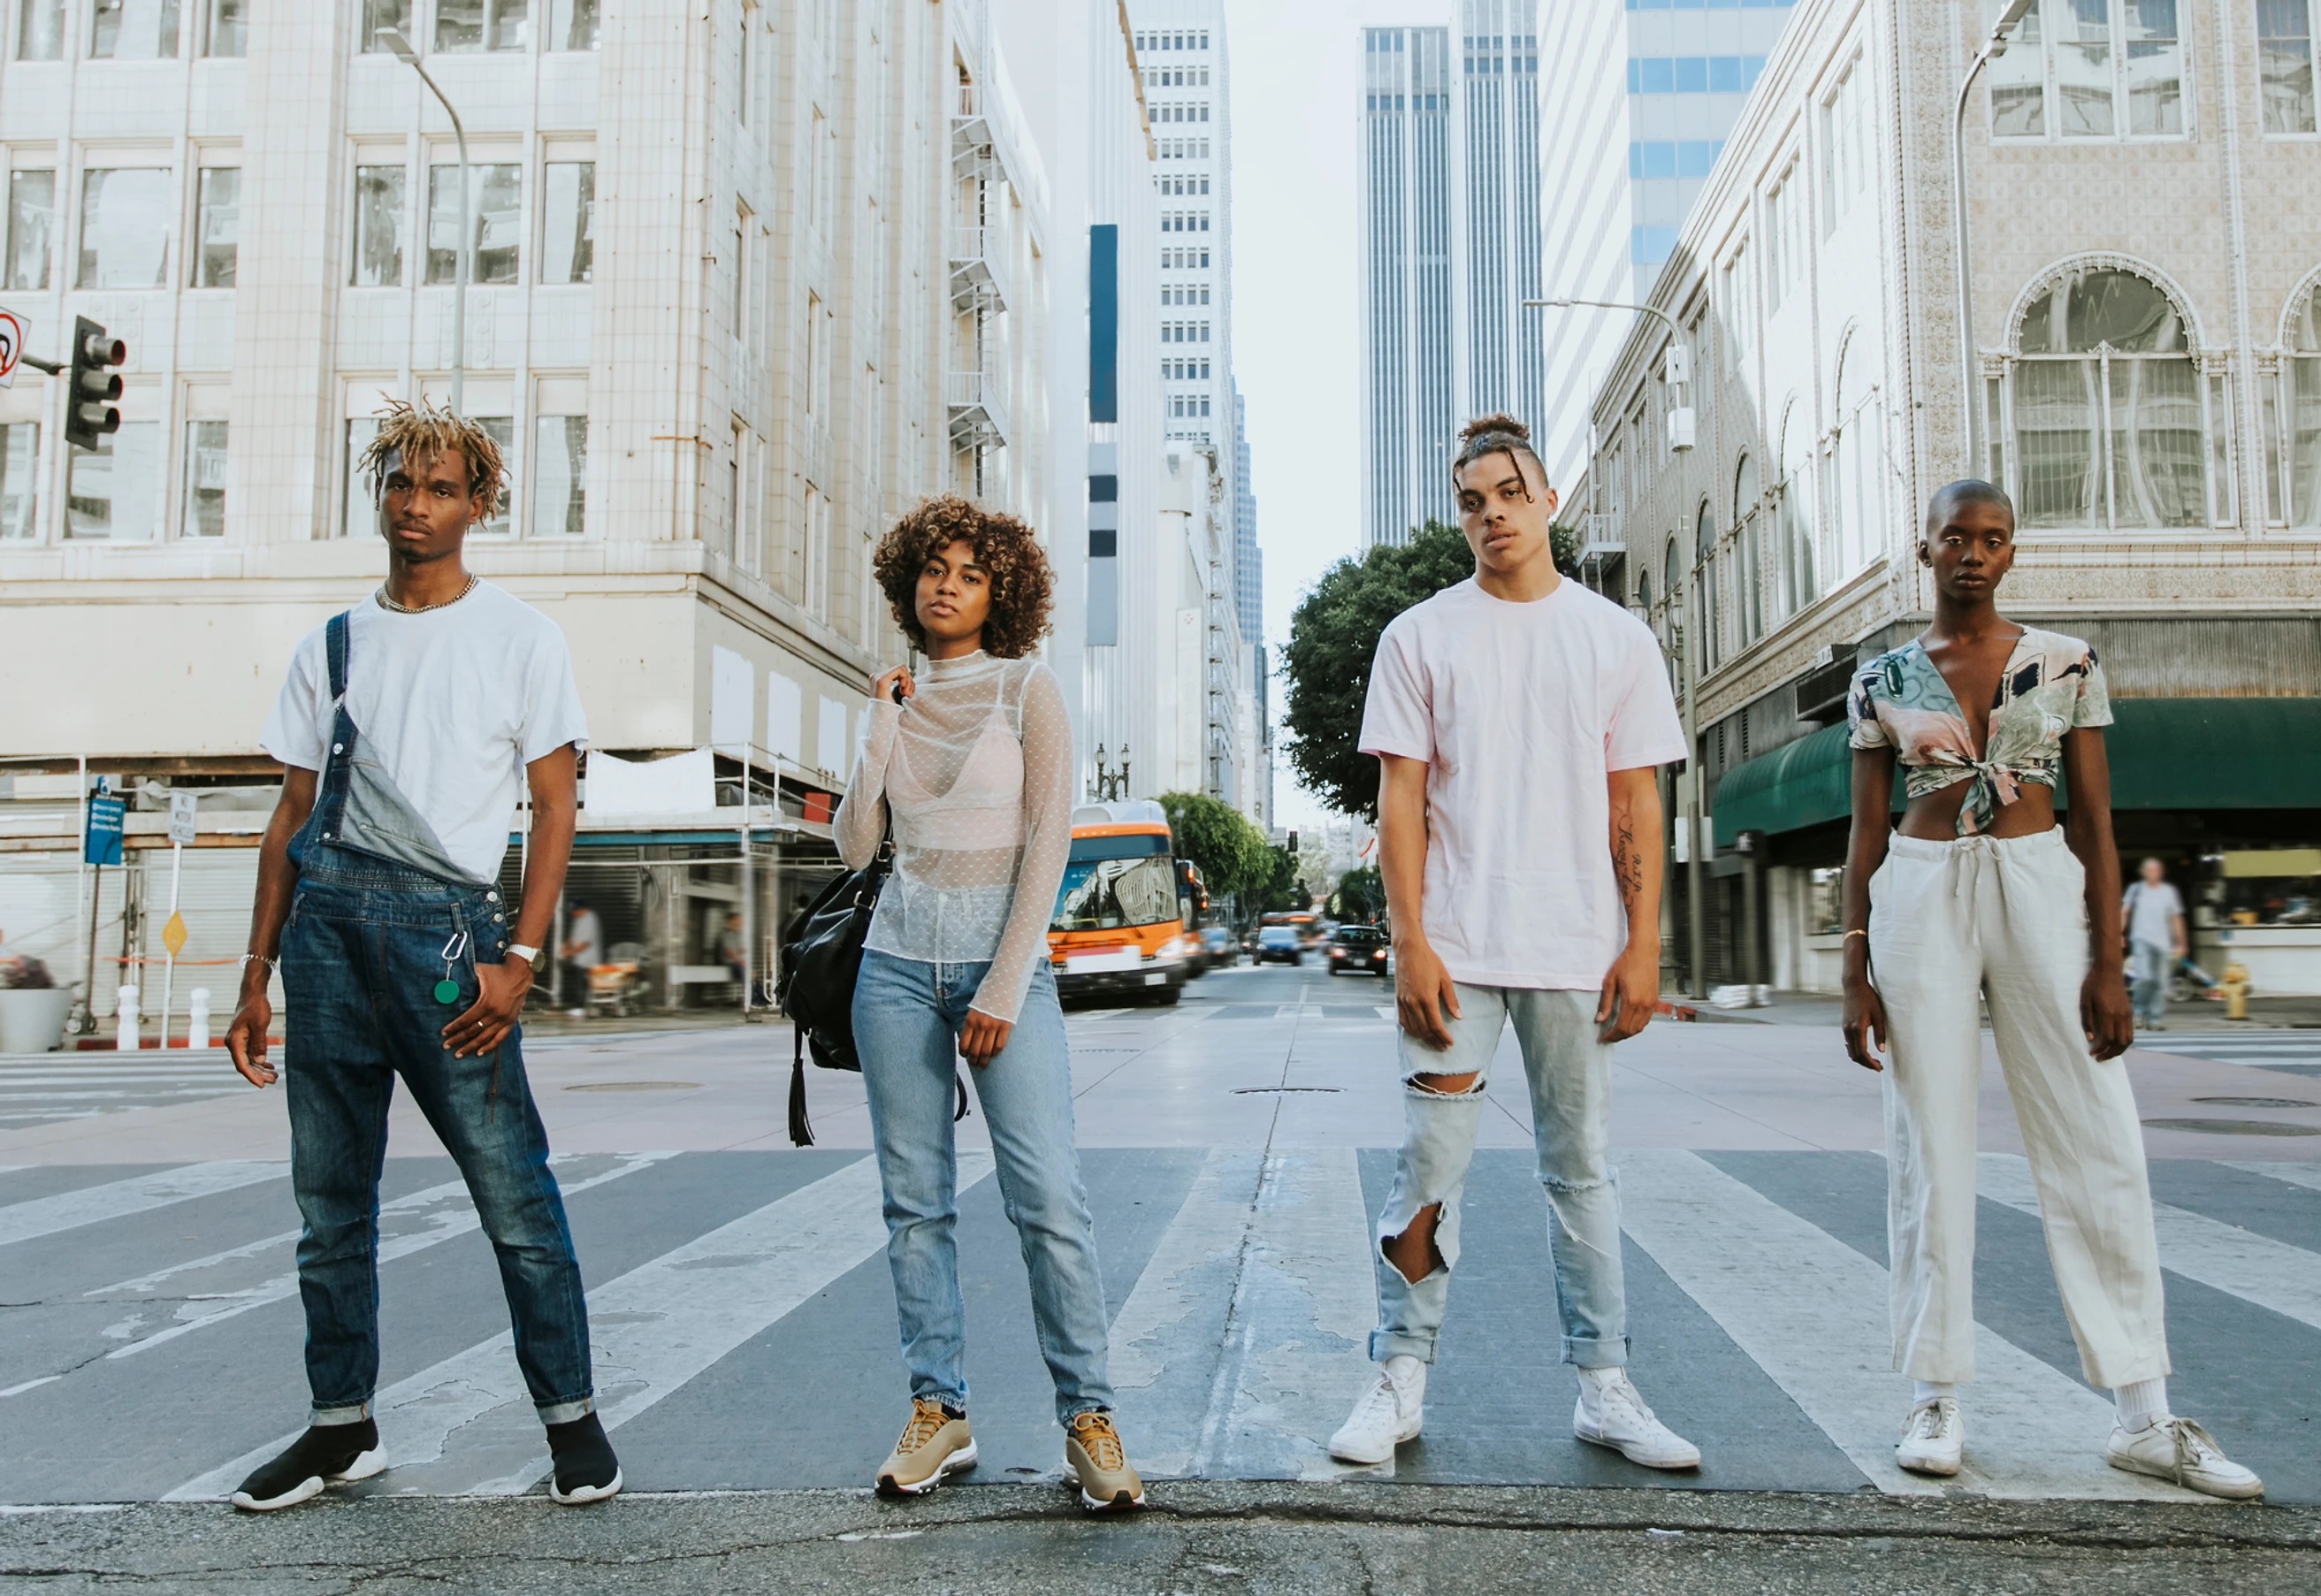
1628 865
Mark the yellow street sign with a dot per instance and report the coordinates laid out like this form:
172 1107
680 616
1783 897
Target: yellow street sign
173 936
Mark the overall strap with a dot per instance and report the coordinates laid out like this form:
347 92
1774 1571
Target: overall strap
335 639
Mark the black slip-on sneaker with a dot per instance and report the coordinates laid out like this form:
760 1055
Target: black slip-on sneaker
327 1455
585 1470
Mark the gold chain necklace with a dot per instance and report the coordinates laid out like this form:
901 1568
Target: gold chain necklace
420 610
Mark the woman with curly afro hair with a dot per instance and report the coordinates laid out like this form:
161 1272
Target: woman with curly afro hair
970 764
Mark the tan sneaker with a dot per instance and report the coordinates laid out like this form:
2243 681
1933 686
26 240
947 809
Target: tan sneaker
1094 1456
933 1445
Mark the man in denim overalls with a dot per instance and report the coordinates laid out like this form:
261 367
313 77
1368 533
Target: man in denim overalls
405 729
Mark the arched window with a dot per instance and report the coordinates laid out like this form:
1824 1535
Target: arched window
1671 570
1795 561
2110 425
1704 543
1854 504
2302 377
1747 558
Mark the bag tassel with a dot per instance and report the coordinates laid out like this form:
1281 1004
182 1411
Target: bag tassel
960 1081
801 1129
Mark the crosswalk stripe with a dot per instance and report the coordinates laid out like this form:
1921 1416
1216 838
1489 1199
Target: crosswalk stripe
91 1205
2306 1175
1811 1312
1241 1346
458 1218
653 1329
2254 1268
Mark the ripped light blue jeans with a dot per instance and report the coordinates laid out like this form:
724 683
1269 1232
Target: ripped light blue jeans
1570 1077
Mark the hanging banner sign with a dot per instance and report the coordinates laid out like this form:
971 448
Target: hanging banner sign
103 844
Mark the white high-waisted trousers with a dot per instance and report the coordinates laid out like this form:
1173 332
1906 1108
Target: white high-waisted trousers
2007 918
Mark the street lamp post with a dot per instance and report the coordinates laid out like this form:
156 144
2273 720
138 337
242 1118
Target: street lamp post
1995 47
1677 600
395 41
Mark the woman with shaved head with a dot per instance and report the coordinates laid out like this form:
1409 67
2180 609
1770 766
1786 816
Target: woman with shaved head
1979 895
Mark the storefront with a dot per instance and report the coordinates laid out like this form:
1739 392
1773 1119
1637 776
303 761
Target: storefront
2224 792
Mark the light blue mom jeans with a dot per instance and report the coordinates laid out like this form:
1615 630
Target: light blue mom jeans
1570 1077
907 1015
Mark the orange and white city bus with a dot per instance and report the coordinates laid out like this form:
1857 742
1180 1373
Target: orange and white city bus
1120 925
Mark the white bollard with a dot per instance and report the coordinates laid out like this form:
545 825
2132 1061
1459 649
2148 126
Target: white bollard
198 1018
125 1018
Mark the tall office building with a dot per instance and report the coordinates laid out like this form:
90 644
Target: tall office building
1249 561
1502 363
1407 292
1637 99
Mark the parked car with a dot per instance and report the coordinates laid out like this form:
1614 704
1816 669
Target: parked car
1358 949
1280 945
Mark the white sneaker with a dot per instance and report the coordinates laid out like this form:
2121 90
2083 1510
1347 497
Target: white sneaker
1627 1427
1935 1440
2180 1450
1388 1414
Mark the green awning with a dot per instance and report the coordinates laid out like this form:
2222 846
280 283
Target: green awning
2165 754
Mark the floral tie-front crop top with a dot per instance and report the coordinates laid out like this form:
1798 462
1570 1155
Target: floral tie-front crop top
2052 685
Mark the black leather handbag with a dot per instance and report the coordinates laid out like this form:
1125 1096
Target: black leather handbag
821 959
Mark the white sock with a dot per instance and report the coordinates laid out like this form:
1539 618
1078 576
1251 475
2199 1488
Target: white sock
1406 1371
1930 1392
1593 1383
2143 1403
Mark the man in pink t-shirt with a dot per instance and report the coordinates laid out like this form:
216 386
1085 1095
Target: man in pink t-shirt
1517 719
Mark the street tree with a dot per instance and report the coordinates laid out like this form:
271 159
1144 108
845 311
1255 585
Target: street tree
1281 891
1361 894
1233 854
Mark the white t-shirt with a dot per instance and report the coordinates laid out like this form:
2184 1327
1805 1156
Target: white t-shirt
1520 710
585 933
456 701
2150 913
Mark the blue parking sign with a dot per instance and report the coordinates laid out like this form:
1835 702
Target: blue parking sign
103 844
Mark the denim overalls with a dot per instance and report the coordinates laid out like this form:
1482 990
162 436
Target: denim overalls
377 905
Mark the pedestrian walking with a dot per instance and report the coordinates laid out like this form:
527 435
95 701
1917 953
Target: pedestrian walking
1517 719
2156 942
405 728
1980 894
968 765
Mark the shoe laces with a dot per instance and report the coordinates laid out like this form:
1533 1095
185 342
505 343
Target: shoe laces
2196 1448
1621 1391
1932 1421
1099 1440
928 1419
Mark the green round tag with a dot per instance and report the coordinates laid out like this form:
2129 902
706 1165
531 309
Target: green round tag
447 991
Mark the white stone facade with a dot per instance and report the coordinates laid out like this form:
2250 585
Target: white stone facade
750 279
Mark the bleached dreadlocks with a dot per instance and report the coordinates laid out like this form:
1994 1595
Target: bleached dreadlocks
411 431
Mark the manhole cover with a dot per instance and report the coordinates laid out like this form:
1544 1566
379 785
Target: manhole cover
637 1086
2237 1127
1252 1092
2260 1102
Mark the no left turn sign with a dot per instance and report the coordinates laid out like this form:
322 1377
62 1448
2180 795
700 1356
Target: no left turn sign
12 345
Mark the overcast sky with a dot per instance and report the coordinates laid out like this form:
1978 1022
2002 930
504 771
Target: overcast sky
1298 288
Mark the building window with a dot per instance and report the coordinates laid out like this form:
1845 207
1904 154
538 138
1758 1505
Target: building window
204 480
560 476
495 219
226 28
1785 240
1795 569
1855 500
2110 68
40 31
378 227
133 29
2284 42
126 217
567 244
360 518
1844 148
502 429
31 224
2301 382
480 25
2108 423
20 462
218 209
378 17
116 487
1704 540
571 24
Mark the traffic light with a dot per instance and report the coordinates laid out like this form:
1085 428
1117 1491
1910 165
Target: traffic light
95 386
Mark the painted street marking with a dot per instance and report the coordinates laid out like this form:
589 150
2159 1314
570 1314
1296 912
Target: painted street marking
92 1205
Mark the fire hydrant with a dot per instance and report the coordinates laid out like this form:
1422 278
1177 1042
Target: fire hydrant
2235 989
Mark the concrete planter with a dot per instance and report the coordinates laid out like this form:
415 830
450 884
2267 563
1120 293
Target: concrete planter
33 1020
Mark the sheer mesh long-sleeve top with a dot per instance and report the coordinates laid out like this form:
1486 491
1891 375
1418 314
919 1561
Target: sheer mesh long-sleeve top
975 769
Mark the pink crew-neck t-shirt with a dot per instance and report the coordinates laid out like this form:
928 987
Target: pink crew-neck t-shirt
1521 712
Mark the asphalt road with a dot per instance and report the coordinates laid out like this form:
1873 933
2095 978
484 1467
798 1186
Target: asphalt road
1235 1149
